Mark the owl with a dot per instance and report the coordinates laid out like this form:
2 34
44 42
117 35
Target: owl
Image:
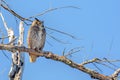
36 37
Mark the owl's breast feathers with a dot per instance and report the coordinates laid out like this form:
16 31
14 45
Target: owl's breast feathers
36 37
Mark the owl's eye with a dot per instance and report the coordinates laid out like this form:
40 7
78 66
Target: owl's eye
38 23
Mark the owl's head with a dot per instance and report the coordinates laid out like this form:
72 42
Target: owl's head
37 22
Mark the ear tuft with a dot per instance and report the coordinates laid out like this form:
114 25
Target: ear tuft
36 19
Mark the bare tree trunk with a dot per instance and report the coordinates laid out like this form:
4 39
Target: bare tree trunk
17 66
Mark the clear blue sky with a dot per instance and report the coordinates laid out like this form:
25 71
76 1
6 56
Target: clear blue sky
96 23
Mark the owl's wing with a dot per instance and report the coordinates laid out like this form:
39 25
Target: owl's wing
42 39
31 38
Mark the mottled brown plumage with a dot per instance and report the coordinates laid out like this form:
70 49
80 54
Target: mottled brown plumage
36 37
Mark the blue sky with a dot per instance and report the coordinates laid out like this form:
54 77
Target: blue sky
96 24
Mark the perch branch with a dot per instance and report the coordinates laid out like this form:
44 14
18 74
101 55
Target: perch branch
50 55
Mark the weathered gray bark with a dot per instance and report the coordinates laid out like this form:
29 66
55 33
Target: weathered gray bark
17 66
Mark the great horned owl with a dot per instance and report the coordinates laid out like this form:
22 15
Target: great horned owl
36 37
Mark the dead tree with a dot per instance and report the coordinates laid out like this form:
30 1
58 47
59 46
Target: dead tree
18 50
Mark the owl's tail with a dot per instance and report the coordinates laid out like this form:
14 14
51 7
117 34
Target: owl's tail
32 58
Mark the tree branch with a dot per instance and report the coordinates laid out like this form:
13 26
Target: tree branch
53 9
90 61
14 13
50 55
115 74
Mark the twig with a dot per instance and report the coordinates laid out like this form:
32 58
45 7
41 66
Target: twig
106 65
74 50
115 74
52 9
90 61
4 37
57 39
98 61
110 62
63 53
12 41
5 55
62 33
97 67
5 24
